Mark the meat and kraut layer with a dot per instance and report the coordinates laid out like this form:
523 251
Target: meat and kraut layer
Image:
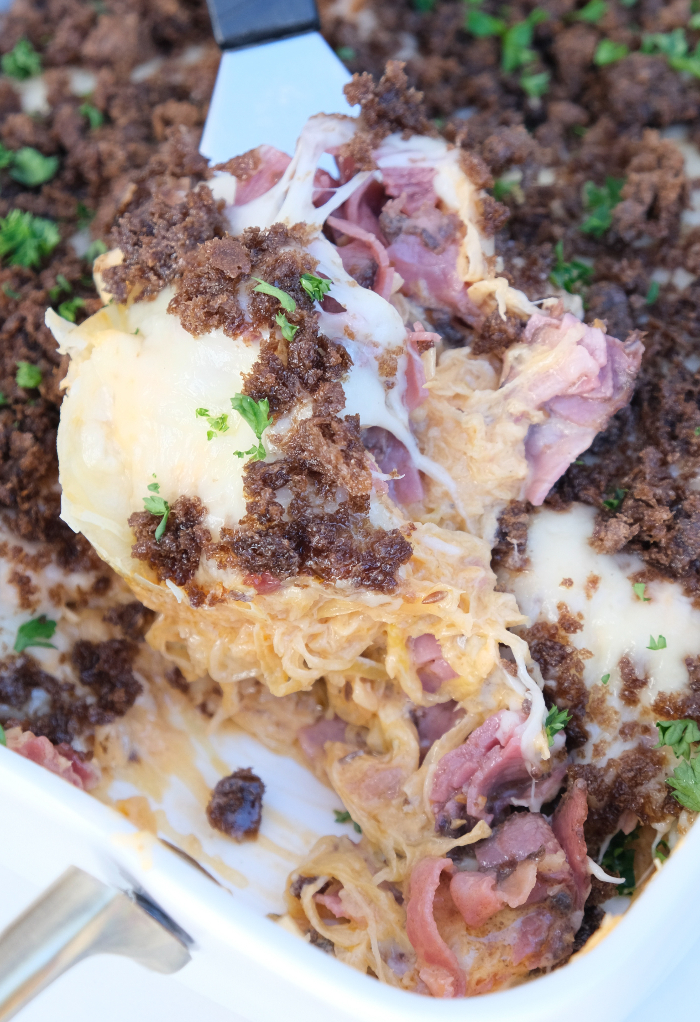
267 434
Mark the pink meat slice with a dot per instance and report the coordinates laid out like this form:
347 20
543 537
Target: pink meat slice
385 273
476 897
457 768
431 277
567 826
432 722
580 393
438 965
40 750
393 456
272 165
432 668
413 184
313 737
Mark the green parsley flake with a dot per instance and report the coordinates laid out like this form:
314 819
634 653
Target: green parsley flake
685 780
502 187
35 633
315 287
27 375
257 415
68 309
556 720
346 53
662 851
346 818
483 25
619 858
599 204
62 286
609 52
94 116
287 328
158 506
3 740
31 168
571 275
697 431
96 248
218 424
10 292
605 679
21 62
592 12
153 487
285 300
26 239
613 503
694 21
679 735
535 85
639 588
674 46
6 157
652 293
517 39
659 643
84 214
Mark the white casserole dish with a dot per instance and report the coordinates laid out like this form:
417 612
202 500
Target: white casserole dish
247 963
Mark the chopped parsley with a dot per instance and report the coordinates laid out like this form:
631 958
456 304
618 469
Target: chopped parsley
217 424
659 643
62 286
619 858
25 239
679 735
27 375
535 85
154 487
10 292
68 309
96 248
3 740
599 204
502 187
556 720
346 818
652 293
84 214
157 506
675 48
613 503
424 6
609 52
662 851
257 415
639 588
697 431
285 300
517 40
35 633
482 25
94 116
605 679
571 275
288 329
22 61
592 12
31 168
6 157
685 780
315 287
346 53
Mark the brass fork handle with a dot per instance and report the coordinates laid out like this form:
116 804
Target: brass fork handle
76 917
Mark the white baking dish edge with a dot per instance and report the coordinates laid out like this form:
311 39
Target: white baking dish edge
246 963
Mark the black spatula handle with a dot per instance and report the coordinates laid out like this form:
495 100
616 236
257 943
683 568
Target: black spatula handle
246 22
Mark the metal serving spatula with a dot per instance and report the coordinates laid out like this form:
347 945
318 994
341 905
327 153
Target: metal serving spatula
276 71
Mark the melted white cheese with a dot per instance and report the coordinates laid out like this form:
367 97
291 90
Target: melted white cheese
135 381
615 622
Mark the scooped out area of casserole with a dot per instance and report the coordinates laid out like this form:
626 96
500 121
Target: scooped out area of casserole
269 433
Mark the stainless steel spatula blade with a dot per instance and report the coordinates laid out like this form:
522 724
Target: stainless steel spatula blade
276 71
